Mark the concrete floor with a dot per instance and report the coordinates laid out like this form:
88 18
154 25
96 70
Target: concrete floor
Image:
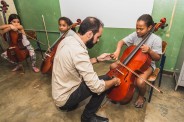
27 98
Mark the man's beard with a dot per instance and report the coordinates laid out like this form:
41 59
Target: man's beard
139 36
90 43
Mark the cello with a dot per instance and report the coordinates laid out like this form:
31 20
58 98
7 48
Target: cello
16 51
47 63
132 62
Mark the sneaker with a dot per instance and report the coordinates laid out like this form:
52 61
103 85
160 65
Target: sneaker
94 118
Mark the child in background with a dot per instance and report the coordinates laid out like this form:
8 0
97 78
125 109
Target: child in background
14 23
64 24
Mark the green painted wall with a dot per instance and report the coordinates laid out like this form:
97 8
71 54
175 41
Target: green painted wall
164 8
31 14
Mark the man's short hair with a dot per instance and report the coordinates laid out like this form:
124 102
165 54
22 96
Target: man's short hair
90 24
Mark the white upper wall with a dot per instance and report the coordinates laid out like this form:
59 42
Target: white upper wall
113 13
11 10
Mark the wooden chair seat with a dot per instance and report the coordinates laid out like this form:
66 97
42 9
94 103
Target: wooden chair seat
154 75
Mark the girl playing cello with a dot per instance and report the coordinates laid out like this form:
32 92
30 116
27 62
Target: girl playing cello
14 23
153 47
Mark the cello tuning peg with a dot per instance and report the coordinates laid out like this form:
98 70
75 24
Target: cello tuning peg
79 21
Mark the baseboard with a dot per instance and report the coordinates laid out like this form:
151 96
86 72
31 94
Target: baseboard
37 49
168 72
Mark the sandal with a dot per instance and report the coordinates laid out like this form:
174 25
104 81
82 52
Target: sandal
140 105
35 69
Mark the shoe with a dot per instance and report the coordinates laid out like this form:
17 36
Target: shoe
67 109
94 118
35 69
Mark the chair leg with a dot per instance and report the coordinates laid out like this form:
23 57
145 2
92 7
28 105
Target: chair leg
161 69
1 48
151 92
27 62
23 70
40 49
